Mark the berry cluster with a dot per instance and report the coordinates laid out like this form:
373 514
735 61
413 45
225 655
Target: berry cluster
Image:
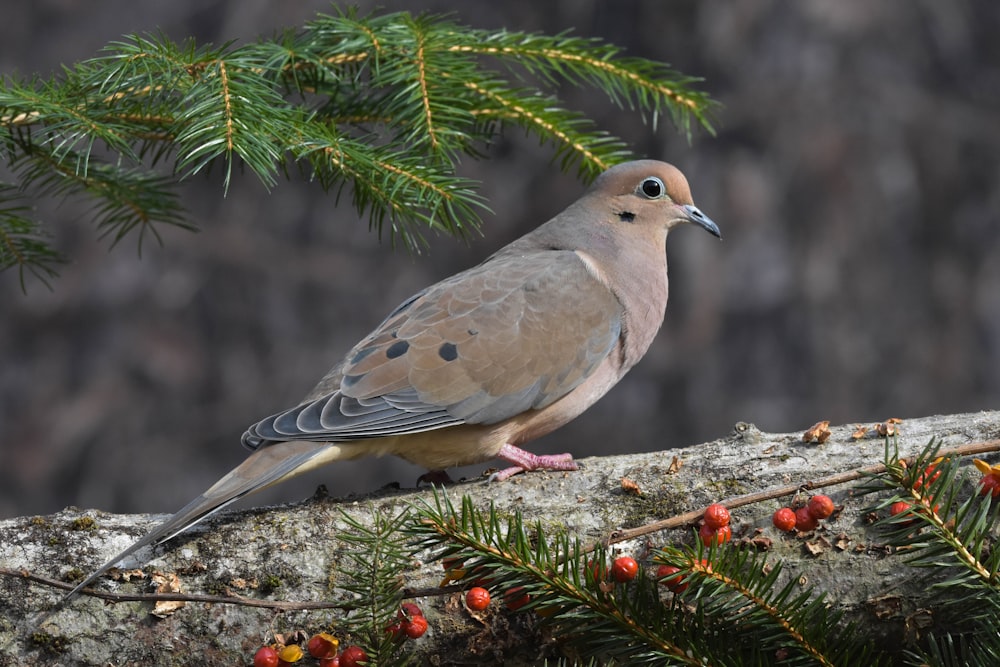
922 480
806 517
409 624
715 525
322 646
715 530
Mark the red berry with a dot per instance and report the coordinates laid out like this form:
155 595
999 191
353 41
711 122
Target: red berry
820 506
990 484
265 657
899 507
353 656
415 627
804 520
927 476
477 599
516 598
408 610
716 516
395 630
322 646
597 570
710 536
333 661
624 569
784 519
669 577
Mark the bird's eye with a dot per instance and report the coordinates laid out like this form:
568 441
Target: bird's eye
652 187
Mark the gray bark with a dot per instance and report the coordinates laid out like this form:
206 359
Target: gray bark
292 552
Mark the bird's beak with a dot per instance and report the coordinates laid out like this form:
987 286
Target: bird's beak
702 220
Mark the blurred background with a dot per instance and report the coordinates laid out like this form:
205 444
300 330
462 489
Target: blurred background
855 176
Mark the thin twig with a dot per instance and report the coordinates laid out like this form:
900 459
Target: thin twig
281 605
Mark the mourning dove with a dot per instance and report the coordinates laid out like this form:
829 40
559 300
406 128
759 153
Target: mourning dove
471 368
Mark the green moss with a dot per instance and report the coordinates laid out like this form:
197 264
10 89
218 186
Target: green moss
275 577
269 583
727 487
74 574
49 643
83 523
218 587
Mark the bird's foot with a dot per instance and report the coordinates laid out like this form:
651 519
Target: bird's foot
435 477
525 461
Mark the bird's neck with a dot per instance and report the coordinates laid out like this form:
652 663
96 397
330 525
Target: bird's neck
643 293
636 273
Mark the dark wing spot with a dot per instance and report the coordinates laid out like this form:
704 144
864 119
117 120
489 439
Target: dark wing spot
626 216
448 351
397 349
473 332
350 380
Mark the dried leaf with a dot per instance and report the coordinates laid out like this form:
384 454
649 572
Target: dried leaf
166 583
817 546
630 487
916 622
886 606
860 431
886 429
675 465
818 432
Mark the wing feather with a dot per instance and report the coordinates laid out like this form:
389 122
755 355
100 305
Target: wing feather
481 347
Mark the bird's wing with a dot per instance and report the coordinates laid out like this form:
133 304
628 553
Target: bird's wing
515 333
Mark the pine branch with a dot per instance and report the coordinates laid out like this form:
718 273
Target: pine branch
950 532
23 243
735 595
739 591
385 105
374 565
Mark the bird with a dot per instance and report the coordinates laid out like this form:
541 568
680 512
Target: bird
478 364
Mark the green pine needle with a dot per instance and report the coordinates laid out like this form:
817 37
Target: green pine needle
384 105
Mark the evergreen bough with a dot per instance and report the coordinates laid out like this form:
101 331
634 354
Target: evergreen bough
385 105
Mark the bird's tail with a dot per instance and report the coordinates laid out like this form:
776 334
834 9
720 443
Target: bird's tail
266 466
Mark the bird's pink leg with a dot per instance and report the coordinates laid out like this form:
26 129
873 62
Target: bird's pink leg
524 461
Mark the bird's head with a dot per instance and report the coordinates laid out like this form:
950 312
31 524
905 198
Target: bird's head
653 194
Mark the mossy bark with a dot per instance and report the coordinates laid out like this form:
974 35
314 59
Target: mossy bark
293 553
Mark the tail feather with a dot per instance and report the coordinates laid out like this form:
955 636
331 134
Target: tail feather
261 469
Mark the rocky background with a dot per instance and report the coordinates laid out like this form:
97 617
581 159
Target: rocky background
855 175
